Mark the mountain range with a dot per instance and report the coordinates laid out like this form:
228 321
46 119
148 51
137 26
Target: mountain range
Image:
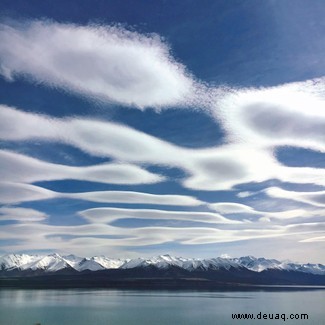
101 270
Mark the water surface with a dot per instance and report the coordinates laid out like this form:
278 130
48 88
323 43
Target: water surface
99 307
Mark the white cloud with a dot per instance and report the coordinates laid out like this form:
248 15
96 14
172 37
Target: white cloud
124 143
100 236
107 215
245 194
216 168
23 169
286 115
112 64
231 207
313 239
17 192
313 198
36 233
104 62
19 125
265 216
208 169
21 214
134 197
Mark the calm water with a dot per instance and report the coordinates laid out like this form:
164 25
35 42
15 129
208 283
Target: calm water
84 307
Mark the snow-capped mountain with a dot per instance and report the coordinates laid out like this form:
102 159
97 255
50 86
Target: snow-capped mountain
190 264
55 262
49 263
13 261
257 264
108 263
261 264
161 262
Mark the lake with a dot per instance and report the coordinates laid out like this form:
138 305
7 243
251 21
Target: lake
85 307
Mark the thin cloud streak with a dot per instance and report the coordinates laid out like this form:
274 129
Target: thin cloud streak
312 198
19 192
149 235
107 215
20 168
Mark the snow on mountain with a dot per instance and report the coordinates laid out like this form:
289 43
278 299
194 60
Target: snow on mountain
261 264
49 263
56 262
108 263
257 264
12 261
161 262
306 268
73 260
221 263
89 264
190 264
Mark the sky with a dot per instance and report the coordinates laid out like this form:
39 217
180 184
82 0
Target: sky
190 128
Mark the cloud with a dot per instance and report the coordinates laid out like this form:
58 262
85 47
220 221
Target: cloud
19 168
107 215
313 198
16 193
112 64
313 239
226 208
134 198
124 143
290 114
50 236
19 125
256 120
19 192
104 62
231 207
21 214
101 236
208 169
215 168
245 194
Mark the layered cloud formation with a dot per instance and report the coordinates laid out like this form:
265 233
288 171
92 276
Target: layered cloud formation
217 168
112 64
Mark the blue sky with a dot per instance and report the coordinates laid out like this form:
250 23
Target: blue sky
194 128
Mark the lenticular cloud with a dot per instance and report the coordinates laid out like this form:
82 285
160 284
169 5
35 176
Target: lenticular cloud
291 114
103 62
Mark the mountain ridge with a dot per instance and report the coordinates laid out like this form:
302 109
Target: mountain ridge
53 263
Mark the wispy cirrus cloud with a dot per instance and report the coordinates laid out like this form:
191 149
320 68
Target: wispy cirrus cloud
104 62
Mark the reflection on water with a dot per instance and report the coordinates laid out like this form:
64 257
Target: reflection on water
84 307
